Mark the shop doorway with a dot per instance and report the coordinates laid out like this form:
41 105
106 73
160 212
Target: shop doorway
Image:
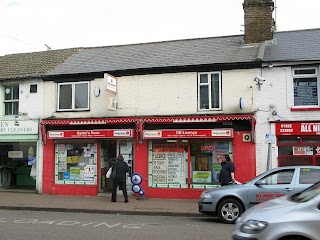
110 149
18 165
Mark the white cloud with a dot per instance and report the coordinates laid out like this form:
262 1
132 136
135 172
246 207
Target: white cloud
28 25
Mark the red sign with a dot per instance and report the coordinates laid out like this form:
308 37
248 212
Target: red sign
189 133
112 133
298 128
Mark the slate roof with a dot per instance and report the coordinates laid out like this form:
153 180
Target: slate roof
36 64
298 45
287 46
190 52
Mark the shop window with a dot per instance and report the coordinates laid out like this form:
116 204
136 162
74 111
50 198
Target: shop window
76 163
314 140
73 96
205 167
209 91
306 87
295 160
18 164
289 140
11 100
168 163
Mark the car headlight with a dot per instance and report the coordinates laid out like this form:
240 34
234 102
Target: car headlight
205 195
253 226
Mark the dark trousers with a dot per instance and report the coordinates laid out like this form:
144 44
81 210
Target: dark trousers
122 186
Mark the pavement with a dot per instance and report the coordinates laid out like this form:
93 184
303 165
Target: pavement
98 204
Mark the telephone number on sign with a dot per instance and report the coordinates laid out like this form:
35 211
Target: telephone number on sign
286 130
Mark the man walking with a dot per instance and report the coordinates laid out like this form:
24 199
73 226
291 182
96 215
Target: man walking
226 175
120 179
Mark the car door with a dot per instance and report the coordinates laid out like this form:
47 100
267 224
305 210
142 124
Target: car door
275 184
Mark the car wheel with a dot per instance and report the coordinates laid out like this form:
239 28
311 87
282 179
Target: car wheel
229 210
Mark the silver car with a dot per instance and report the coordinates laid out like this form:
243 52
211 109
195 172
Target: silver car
229 202
294 217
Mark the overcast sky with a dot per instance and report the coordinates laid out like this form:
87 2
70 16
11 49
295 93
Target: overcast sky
30 25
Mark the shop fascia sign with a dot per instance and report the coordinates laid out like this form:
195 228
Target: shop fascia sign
19 127
110 133
110 83
189 133
298 128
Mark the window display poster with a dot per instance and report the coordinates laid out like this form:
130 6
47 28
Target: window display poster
66 176
62 158
62 164
176 173
159 167
317 149
168 168
299 151
89 172
163 148
202 163
74 173
219 149
202 176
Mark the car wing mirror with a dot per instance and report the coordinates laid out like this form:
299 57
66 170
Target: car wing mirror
260 182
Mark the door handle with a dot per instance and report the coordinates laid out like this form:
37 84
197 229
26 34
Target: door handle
288 189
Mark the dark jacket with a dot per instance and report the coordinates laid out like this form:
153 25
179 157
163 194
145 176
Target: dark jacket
121 169
225 173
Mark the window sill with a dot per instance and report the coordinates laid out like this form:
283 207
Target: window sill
305 109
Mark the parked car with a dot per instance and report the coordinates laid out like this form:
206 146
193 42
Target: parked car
294 217
229 202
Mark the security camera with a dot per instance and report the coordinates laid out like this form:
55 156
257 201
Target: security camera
259 78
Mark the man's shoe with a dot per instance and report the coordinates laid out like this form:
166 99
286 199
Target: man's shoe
113 201
126 201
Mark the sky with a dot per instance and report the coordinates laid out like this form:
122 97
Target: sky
39 25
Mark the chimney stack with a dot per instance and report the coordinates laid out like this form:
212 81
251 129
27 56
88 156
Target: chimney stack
258 21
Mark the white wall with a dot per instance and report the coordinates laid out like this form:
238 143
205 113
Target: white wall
277 91
158 94
30 108
31 104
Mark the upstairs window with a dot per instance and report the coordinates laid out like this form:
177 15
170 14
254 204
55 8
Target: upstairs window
306 87
11 100
209 91
73 96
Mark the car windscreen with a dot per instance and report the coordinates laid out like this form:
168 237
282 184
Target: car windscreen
306 194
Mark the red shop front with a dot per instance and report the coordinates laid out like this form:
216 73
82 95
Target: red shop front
175 156
76 152
298 143
178 155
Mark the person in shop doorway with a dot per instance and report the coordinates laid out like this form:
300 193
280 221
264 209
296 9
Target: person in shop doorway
120 180
226 176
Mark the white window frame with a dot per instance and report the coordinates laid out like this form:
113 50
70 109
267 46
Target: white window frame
210 93
73 84
11 101
315 75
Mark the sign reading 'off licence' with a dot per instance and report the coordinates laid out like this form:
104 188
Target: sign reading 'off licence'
189 133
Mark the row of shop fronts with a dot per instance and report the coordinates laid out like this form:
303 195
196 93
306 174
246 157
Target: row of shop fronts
175 156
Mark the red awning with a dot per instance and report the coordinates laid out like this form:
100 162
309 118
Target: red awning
88 121
151 120
196 119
